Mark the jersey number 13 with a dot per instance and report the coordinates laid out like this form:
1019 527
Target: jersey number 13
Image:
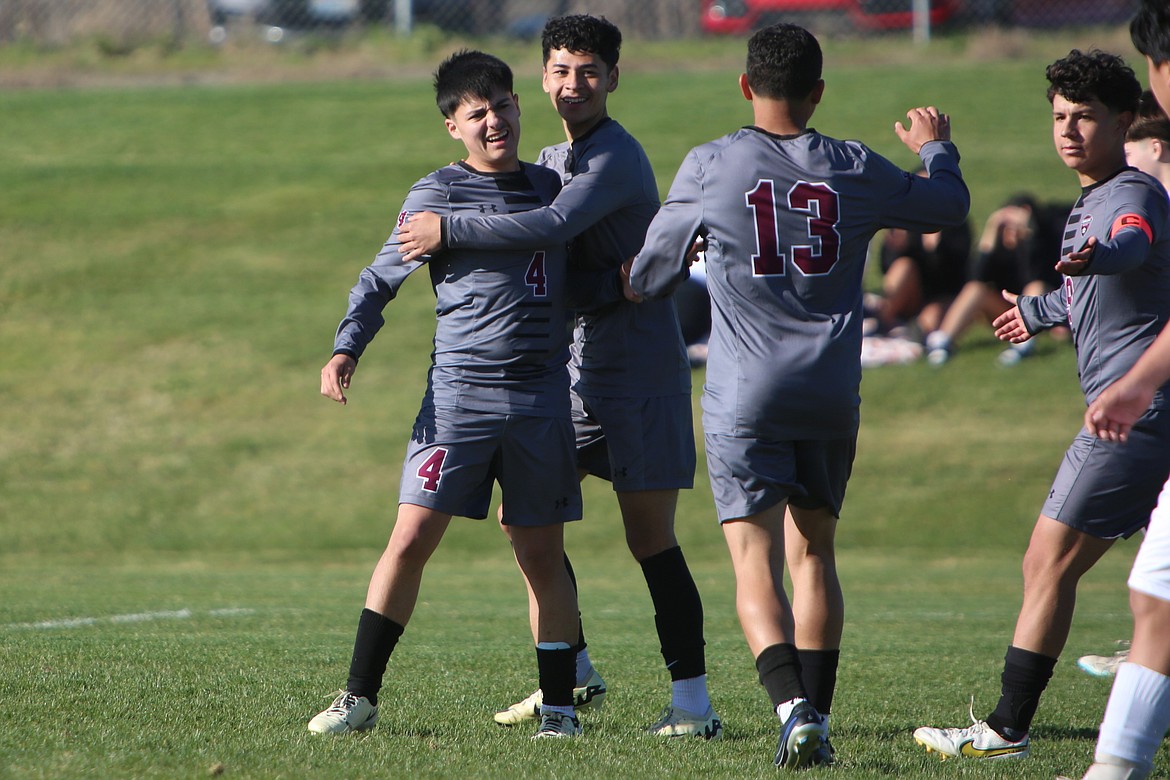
815 252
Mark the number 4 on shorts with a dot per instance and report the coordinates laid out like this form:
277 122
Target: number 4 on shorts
431 471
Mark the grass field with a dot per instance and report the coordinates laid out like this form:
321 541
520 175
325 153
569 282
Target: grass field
187 528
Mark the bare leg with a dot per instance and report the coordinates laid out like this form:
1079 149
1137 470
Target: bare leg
818 606
1151 632
756 544
648 516
394 586
1056 559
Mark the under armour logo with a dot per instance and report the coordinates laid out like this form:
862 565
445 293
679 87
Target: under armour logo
484 208
621 472
561 503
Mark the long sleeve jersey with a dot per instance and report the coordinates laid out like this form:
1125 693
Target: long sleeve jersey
501 342
1121 302
610 195
788 221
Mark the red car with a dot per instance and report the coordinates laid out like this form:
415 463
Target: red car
737 17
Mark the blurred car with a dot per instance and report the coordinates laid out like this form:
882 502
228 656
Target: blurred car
739 17
280 16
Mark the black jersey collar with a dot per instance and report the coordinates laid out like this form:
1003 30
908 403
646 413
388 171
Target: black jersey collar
778 136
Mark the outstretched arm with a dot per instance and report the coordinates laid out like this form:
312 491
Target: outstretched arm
1010 326
927 124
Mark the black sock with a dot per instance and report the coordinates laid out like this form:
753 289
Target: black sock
818 672
376 637
779 668
581 645
678 613
558 675
1025 676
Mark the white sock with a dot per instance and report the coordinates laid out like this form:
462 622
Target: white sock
1137 716
690 695
936 339
584 667
546 709
784 711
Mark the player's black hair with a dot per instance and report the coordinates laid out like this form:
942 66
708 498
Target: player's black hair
1084 76
468 73
1150 122
1150 30
582 33
784 62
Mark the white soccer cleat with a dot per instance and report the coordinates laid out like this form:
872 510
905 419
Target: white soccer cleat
677 722
591 695
554 725
348 712
1104 665
1114 769
975 741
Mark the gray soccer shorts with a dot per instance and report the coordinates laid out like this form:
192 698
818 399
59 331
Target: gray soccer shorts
455 456
749 475
636 443
1108 489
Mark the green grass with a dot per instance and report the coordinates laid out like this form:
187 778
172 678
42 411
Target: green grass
173 262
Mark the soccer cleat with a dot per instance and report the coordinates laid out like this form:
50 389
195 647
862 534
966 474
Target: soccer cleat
803 739
1104 665
975 741
677 722
556 724
591 695
1114 768
348 712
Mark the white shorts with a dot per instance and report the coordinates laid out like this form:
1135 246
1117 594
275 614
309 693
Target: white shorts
1151 568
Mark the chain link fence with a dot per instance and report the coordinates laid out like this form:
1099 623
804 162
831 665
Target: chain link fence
61 22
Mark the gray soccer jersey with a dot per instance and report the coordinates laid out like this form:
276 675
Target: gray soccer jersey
788 222
500 337
1119 305
620 350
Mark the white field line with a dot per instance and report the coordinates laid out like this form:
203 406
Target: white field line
135 617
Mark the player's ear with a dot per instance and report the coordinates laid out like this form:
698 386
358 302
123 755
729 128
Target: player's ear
613 79
744 88
516 100
818 92
452 128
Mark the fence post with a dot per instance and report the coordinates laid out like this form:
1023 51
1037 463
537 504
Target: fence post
403 16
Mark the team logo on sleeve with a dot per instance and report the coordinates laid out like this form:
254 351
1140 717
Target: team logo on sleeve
1086 223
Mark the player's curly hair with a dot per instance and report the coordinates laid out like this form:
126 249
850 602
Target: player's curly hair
469 73
580 33
1151 121
784 61
1084 76
1150 30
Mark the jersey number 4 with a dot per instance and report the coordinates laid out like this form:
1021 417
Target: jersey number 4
536 277
431 471
820 203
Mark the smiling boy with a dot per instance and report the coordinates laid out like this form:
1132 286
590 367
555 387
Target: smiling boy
496 406
1115 297
631 378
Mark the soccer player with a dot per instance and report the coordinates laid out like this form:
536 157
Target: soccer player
1147 148
631 379
1138 714
1115 297
788 214
496 406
